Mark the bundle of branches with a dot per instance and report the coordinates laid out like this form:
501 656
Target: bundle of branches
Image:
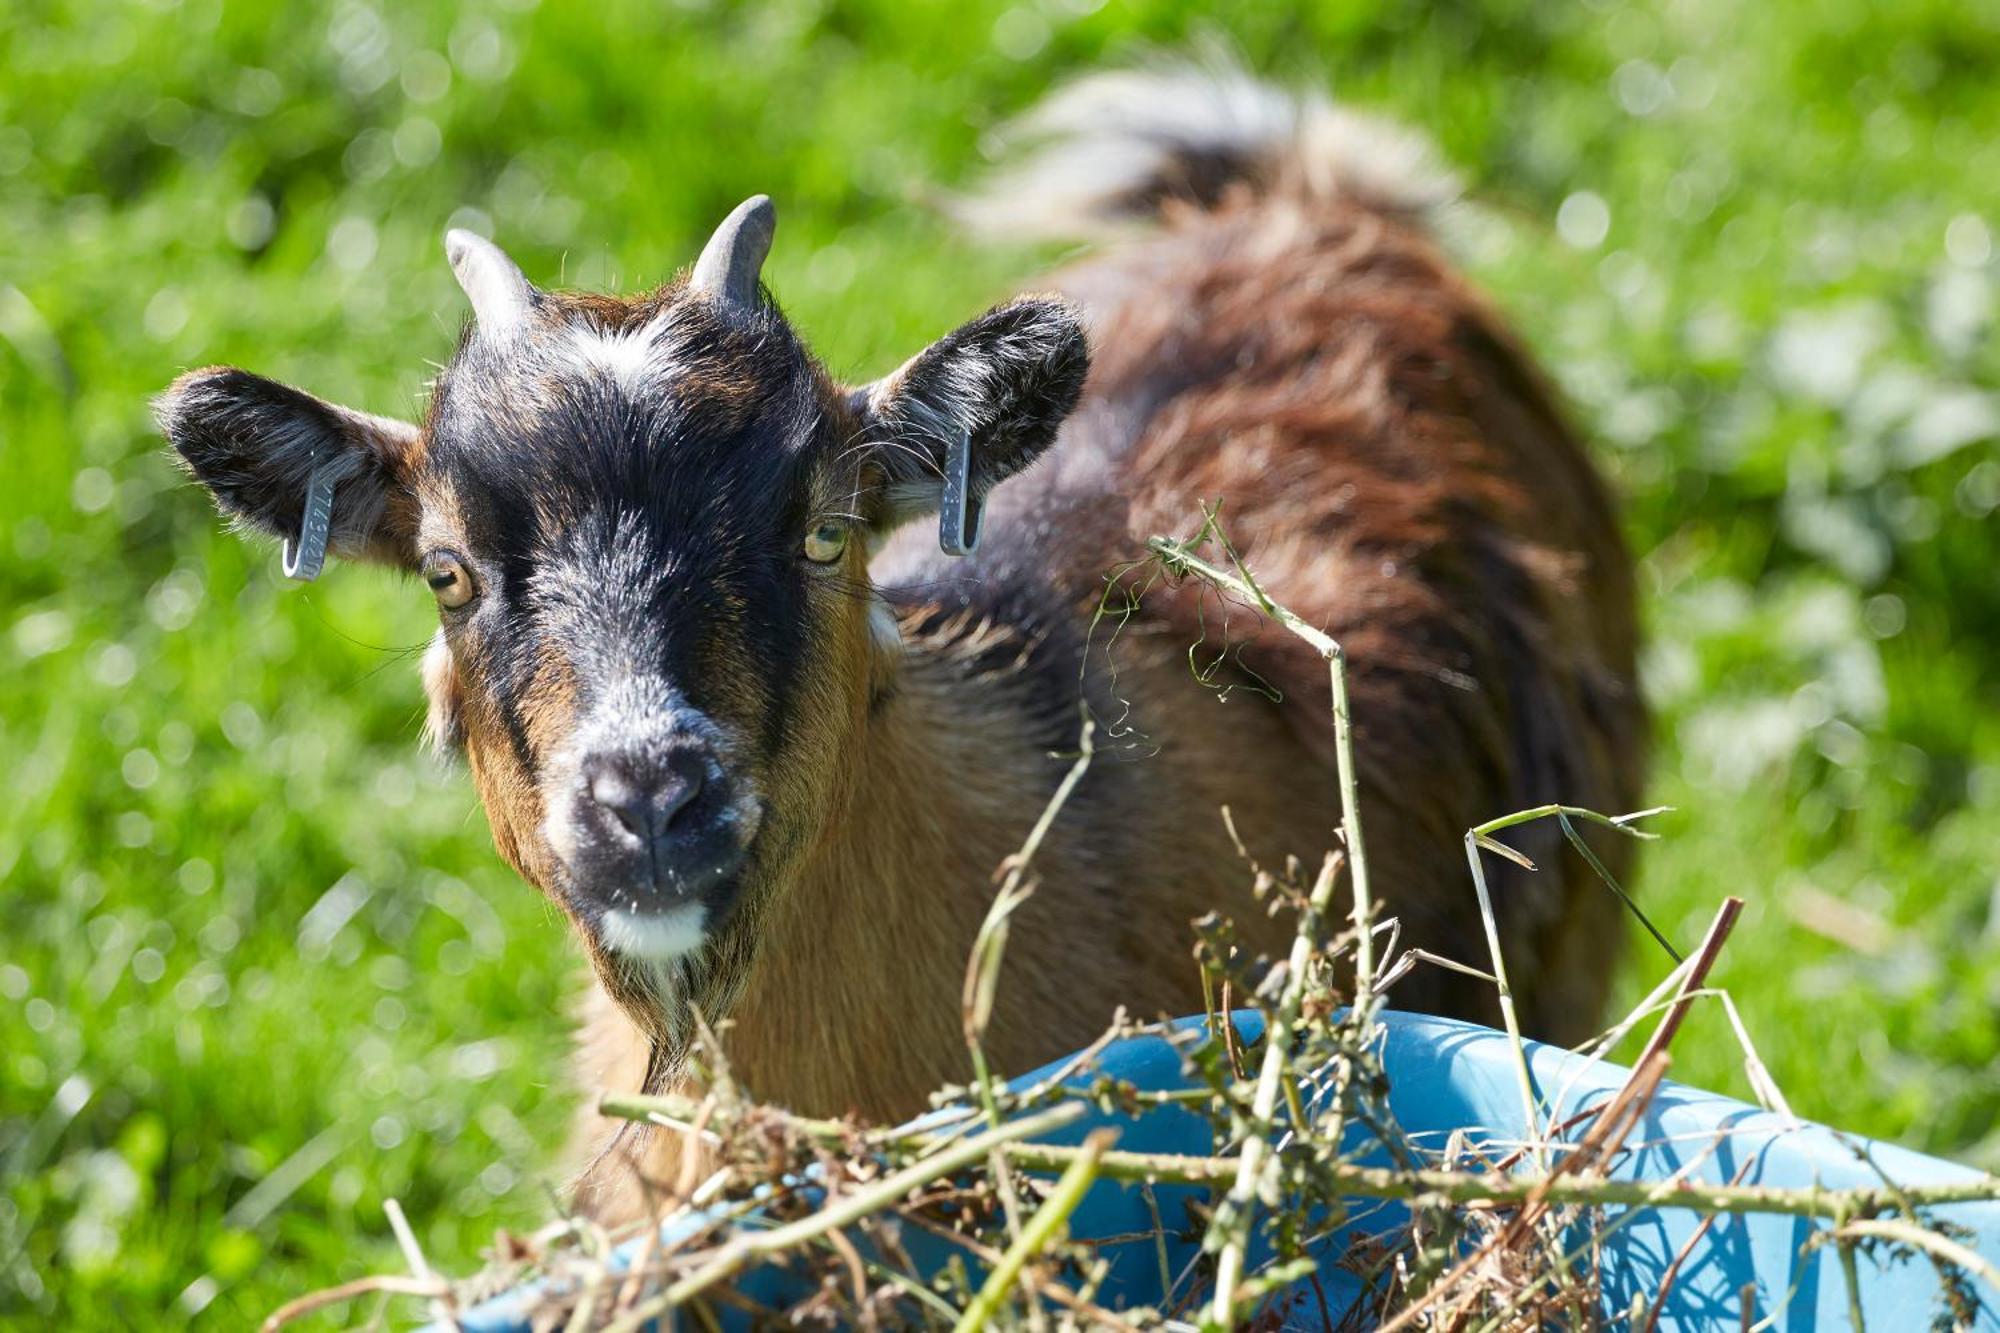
959 1220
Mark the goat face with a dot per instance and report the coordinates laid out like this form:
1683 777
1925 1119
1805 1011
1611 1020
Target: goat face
645 523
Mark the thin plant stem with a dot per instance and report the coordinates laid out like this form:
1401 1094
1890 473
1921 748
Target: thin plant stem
1178 556
1231 1226
1530 1115
1048 1219
1857 1319
989 946
1704 960
1486 1189
1932 1243
747 1246
347 1291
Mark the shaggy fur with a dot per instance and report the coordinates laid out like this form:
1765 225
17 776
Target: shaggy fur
630 480
1292 343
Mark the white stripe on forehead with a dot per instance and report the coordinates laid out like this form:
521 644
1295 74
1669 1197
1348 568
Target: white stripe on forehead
633 358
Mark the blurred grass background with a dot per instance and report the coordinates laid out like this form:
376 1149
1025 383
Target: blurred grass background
259 967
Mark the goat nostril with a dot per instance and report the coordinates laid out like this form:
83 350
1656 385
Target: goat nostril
646 809
613 792
681 784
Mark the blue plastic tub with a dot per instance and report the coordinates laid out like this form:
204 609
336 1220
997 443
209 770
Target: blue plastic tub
1447 1076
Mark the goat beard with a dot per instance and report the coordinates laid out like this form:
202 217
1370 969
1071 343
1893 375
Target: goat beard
679 1003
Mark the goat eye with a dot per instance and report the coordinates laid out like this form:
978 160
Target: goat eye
824 543
449 580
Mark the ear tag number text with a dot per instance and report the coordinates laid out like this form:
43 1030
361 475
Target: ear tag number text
304 559
959 510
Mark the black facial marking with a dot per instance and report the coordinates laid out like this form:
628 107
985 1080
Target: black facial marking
631 485
628 486
635 492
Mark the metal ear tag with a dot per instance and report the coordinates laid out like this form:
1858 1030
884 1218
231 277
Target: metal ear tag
304 559
959 510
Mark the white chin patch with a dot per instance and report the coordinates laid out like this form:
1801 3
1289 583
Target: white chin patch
654 937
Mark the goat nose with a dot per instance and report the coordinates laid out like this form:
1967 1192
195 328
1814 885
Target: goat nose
644 799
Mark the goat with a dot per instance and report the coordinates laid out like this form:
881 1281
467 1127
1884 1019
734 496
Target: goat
763 741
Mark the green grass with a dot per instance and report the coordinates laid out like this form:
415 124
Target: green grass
253 938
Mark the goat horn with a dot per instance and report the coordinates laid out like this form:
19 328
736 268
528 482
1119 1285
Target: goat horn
501 294
729 263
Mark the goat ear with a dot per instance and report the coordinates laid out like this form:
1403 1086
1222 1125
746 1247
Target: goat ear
1002 384
256 445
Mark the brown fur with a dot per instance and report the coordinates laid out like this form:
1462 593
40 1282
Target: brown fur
853 1002
1470 564
1394 470
1386 458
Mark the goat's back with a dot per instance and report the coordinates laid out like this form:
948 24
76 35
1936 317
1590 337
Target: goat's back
1290 342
